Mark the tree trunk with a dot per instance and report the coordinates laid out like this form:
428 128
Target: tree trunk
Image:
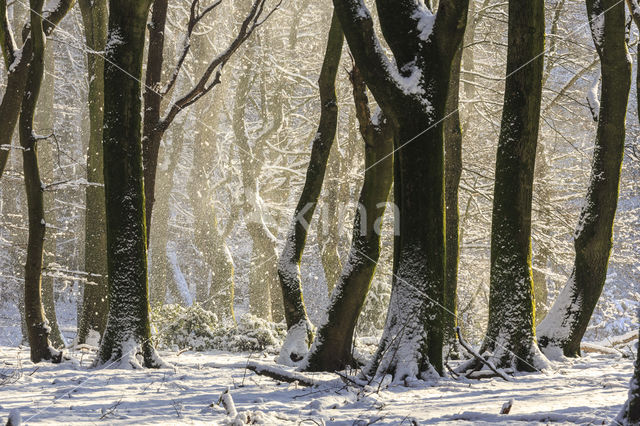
207 238
17 71
510 335
44 126
453 172
162 277
568 318
128 331
331 349
412 93
289 261
630 414
37 325
263 253
94 298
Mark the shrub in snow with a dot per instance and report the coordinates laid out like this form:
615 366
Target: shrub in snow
179 327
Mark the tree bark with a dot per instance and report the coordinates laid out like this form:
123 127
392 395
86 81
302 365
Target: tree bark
569 316
510 335
331 349
412 93
289 261
128 332
95 297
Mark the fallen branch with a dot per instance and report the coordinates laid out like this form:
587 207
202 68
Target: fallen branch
280 374
478 357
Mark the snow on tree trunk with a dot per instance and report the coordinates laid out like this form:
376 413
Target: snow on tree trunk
127 338
331 349
567 320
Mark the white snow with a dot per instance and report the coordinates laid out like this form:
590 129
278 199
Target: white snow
587 390
425 19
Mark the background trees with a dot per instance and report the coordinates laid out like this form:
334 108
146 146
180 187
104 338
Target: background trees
218 173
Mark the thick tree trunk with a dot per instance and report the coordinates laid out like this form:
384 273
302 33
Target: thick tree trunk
453 172
128 332
331 349
289 261
567 320
412 93
37 325
94 298
510 335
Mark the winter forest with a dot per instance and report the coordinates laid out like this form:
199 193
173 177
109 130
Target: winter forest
343 212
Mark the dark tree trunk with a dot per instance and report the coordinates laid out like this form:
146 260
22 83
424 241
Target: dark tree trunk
331 349
510 335
128 332
37 325
568 318
289 261
16 66
94 299
412 342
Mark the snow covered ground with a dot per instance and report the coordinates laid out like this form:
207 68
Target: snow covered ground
588 390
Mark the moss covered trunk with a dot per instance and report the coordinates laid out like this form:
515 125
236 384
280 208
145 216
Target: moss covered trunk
289 261
510 333
569 316
127 333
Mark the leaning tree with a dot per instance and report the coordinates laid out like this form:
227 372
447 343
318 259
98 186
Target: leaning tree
565 324
412 93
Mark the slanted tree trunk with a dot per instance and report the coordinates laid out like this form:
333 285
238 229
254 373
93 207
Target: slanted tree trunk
94 298
510 335
453 172
128 332
331 349
412 93
567 320
289 261
38 329
16 61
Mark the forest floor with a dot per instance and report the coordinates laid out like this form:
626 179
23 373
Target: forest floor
586 390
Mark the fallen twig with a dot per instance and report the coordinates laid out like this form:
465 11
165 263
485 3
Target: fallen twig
478 357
